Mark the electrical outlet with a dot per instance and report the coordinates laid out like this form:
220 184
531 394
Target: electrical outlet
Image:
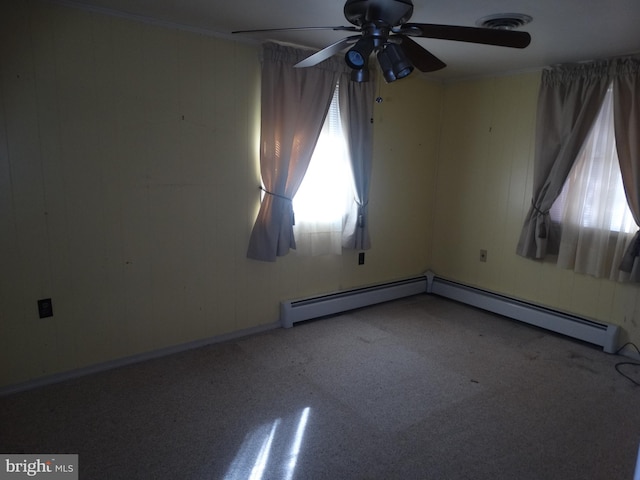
361 258
45 308
483 255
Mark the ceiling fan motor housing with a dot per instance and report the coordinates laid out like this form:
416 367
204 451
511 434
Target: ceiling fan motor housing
376 18
389 12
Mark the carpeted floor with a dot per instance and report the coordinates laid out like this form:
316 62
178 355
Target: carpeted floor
420 388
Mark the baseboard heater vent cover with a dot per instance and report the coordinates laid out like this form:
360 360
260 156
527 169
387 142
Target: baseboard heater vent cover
319 306
597 333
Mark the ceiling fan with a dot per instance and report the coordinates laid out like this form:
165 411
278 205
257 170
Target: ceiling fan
382 27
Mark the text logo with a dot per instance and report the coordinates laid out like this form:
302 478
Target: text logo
41 466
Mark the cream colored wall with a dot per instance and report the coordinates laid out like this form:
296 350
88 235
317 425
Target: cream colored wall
407 127
128 188
483 193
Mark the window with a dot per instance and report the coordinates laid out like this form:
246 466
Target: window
592 207
326 192
593 195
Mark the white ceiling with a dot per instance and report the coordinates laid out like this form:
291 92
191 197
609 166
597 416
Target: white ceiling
562 31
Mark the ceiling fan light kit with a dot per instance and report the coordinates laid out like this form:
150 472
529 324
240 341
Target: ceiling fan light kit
358 55
383 30
360 76
393 63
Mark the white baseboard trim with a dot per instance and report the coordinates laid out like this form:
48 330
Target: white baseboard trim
133 359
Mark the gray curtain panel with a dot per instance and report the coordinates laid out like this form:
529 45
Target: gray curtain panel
626 112
294 104
356 111
568 103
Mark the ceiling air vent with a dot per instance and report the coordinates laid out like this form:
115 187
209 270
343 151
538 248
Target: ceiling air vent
504 21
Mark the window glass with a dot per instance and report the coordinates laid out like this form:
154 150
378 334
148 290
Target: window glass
326 190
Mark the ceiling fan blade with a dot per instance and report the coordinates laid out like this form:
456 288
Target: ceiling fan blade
422 59
327 52
487 36
262 30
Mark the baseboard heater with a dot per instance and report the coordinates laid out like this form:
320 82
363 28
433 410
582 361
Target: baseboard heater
330 304
597 333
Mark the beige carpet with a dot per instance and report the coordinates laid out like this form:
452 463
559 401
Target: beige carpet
420 388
